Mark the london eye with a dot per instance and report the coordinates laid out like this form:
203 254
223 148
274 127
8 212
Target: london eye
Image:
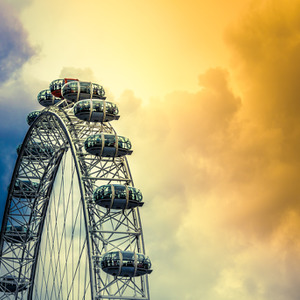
71 227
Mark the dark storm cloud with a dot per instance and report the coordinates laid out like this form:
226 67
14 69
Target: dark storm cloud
15 49
16 99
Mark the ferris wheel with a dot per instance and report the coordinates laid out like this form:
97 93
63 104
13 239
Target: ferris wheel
71 227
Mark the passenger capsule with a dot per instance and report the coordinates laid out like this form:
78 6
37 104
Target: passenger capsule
46 99
107 145
11 284
25 189
79 90
45 124
36 151
118 196
18 234
125 263
96 110
56 85
32 116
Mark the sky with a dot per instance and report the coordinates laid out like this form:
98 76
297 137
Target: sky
209 96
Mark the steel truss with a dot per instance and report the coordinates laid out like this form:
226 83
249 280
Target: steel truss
66 229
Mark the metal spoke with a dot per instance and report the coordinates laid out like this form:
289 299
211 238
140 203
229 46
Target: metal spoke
53 233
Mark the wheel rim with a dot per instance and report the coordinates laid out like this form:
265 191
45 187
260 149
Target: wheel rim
100 230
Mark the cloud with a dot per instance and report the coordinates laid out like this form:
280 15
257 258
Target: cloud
85 74
15 49
15 104
220 172
176 144
219 168
16 89
266 51
17 5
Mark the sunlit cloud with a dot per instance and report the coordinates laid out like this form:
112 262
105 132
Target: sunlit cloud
14 48
222 169
218 164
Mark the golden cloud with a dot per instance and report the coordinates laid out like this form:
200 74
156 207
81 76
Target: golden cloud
220 172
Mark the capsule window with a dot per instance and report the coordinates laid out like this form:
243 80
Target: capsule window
56 84
111 108
124 143
98 106
19 229
107 191
85 87
108 107
131 193
108 256
128 259
140 260
72 87
115 109
98 140
32 116
109 141
83 106
134 194
45 95
120 192
100 193
147 263
98 89
115 259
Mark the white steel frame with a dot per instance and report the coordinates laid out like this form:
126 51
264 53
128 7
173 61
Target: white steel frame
104 229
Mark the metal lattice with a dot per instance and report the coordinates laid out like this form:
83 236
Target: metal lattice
53 233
